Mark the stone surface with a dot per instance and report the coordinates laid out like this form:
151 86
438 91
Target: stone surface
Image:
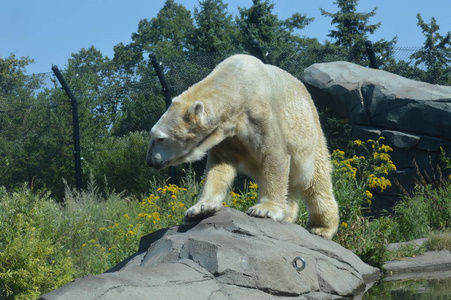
429 261
414 117
228 256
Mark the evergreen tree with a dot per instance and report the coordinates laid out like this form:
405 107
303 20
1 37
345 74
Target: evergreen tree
352 29
435 54
259 23
215 31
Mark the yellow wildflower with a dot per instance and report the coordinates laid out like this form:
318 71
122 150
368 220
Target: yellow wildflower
368 194
130 232
344 224
385 148
359 143
253 186
126 217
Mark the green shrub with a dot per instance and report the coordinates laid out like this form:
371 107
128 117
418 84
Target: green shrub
427 209
31 261
120 163
439 241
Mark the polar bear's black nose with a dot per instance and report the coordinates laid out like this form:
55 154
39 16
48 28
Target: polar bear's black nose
156 165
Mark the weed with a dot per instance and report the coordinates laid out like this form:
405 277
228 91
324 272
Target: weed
439 241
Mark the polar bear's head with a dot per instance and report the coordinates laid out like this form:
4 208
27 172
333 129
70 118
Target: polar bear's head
183 134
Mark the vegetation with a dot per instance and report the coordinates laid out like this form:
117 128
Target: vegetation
44 244
51 234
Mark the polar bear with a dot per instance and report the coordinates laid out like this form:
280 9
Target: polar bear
259 120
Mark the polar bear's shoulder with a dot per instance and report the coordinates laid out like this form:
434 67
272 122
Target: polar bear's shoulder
240 62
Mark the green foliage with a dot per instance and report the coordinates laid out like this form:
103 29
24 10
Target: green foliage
259 23
426 210
439 241
352 27
44 244
244 200
32 261
120 162
435 54
352 31
214 31
407 250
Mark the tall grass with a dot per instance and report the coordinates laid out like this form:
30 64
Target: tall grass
45 244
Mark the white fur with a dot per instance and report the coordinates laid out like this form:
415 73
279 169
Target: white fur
260 120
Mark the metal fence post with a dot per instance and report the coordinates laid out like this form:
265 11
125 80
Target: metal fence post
371 54
75 124
258 51
167 97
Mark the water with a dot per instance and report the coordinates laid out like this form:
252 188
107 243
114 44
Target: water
418 289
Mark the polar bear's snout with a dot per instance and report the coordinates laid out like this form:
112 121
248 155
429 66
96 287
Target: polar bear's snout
155 159
157 154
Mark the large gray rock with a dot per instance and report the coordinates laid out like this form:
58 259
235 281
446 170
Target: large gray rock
414 117
228 256
378 98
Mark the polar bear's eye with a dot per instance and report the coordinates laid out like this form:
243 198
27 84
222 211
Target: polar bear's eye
160 140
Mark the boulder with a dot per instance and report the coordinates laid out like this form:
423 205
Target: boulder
378 98
414 117
229 256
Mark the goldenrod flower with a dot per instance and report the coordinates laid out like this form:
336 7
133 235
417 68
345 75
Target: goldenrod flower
142 215
253 186
359 143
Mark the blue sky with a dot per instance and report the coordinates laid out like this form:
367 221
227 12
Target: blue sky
49 31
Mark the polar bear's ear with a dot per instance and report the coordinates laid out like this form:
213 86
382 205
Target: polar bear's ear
196 111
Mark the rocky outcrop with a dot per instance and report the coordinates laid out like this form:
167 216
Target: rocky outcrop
413 117
229 256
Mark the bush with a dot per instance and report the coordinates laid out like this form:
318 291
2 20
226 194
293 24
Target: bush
120 162
426 210
45 244
31 260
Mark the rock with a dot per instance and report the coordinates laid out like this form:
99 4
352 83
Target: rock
415 243
228 256
378 98
429 261
413 117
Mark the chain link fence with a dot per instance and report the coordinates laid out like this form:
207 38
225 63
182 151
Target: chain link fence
109 95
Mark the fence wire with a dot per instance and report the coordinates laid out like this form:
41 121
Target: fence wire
109 94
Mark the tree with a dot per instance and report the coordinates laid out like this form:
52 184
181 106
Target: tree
435 54
352 30
215 31
167 35
20 139
259 23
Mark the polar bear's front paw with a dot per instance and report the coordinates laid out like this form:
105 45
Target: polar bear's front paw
266 210
325 232
200 211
